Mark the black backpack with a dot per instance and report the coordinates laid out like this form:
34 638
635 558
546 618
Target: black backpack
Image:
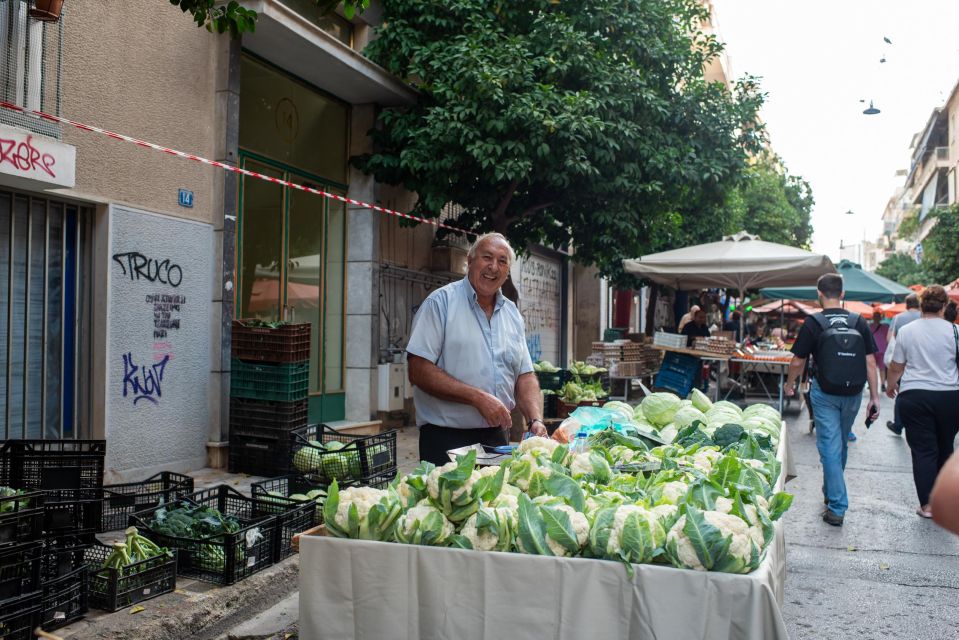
840 355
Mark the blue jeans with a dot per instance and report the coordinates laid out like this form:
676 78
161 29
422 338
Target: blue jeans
834 418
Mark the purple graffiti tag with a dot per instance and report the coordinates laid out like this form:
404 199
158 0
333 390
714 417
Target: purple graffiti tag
143 382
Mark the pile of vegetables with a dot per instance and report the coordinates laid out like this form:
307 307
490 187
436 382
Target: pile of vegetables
134 549
205 524
545 366
576 392
580 369
706 505
336 460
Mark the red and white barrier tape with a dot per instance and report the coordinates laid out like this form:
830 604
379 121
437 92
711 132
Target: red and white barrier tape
214 163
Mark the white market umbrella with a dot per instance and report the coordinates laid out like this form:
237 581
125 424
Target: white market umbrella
741 261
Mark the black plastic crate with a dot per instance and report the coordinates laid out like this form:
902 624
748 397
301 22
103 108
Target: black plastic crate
64 600
64 553
20 569
80 514
21 518
259 456
284 343
120 501
57 467
286 486
362 457
226 558
20 616
552 380
257 414
115 589
293 516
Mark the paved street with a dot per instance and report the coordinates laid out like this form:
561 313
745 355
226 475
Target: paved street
887 573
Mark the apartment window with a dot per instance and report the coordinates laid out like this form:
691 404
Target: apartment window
30 57
335 25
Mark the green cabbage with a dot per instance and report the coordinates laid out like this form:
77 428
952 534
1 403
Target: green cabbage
659 408
687 416
700 401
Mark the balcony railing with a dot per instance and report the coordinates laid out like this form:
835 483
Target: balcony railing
30 61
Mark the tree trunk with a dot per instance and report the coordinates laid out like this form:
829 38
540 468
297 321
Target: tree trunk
651 309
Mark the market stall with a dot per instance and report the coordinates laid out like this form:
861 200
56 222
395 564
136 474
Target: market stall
375 588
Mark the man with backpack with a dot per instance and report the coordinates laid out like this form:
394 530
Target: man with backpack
842 349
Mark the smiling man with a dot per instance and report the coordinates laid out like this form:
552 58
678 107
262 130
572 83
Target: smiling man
468 359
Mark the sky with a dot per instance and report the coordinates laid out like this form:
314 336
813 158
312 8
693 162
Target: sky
816 60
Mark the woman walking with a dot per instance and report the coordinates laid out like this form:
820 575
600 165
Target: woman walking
925 373
880 333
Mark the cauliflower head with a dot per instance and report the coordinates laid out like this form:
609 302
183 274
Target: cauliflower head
491 529
538 443
423 524
686 554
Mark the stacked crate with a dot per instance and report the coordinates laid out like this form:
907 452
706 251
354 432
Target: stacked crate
627 358
45 534
269 384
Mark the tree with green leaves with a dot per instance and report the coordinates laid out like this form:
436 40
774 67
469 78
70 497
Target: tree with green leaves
940 247
772 204
232 18
903 268
585 123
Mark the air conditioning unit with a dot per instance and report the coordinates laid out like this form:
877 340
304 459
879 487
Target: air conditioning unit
391 386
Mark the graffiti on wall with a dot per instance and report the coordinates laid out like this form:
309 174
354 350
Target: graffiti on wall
143 381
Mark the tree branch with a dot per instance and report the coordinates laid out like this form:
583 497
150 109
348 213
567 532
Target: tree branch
499 214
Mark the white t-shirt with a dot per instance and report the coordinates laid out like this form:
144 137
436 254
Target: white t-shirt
928 349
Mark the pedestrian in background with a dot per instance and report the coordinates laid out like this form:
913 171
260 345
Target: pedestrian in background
686 319
880 333
924 374
951 312
842 349
909 315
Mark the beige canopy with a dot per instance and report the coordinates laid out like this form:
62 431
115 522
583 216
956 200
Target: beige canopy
741 261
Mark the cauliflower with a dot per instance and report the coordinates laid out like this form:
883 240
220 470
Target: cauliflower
725 505
672 492
602 500
491 529
590 463
666 514
685 554
629 532
538 443
458 489
423 524
508 500
361 512
578 530
704 459
623 455
529 471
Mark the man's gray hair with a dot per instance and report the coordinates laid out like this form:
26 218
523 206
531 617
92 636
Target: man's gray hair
489 236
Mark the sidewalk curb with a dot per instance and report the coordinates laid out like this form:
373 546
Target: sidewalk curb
207 612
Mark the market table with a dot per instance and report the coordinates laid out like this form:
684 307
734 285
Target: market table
765 366
357 589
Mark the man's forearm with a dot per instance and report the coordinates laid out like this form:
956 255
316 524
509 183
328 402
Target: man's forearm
436 382
894 374
529 400
872 375
796 366
945 496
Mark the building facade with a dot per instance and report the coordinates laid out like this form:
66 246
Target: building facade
125 267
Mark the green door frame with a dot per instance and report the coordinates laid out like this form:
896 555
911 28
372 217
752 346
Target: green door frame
323 407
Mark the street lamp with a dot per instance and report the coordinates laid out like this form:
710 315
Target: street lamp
871 111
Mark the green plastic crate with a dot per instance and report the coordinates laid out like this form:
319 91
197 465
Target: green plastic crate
287 382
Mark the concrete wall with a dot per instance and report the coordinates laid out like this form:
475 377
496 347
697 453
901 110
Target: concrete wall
141 68
158 343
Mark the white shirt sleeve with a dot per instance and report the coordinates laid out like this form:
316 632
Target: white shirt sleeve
429 331
899 352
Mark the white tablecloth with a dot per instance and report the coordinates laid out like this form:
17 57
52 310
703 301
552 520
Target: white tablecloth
360 590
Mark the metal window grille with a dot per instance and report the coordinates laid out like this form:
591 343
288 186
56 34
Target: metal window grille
31 56
45 264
